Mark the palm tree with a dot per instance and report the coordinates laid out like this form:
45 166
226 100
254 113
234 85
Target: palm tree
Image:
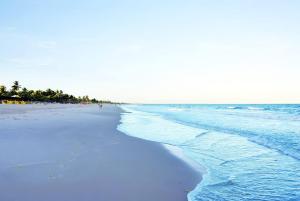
24 94
15 88
43 96
3 92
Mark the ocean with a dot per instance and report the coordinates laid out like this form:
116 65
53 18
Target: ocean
246 152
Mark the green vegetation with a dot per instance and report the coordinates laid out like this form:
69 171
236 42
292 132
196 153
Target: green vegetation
17 94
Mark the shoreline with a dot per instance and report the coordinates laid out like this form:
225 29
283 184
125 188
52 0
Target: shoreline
179 153
77 153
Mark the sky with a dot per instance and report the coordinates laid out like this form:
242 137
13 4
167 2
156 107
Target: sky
155 51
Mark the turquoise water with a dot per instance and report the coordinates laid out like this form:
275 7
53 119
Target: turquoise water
249 152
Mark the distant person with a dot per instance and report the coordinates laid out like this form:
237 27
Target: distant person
100 106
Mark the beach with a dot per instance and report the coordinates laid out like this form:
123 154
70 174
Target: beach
75 153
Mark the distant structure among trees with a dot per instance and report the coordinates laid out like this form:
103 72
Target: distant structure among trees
17 94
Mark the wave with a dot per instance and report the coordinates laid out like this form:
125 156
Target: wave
201 134
223 183
176 109
286 142
234 107
258 138
255 108
247 108
247 157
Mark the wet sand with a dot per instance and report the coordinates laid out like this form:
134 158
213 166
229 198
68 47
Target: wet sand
75 153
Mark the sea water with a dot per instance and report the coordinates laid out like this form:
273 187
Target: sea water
249 152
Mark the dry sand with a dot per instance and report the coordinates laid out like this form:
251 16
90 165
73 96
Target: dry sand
75 153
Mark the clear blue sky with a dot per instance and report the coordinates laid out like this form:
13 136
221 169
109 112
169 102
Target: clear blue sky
202 51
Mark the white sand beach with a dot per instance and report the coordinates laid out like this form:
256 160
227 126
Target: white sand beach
74 153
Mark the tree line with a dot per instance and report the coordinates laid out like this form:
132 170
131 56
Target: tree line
17 92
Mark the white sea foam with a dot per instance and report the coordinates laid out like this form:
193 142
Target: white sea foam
244 159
